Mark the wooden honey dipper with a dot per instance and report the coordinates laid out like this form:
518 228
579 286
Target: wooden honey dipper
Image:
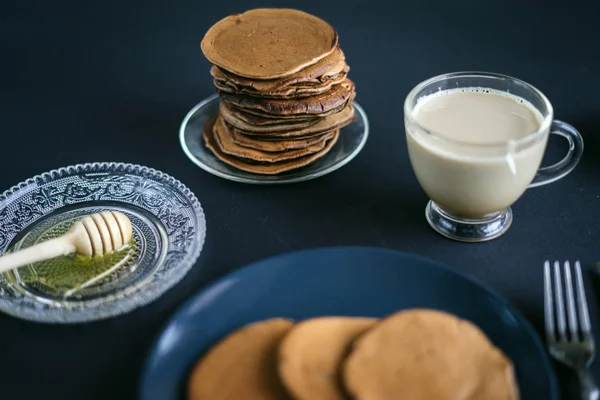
94 235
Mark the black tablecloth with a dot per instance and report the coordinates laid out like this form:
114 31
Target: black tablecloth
111 80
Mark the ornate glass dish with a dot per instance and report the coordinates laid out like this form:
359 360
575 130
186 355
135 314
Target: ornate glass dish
169 229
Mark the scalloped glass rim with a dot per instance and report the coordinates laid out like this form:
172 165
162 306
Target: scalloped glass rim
203 158
168 274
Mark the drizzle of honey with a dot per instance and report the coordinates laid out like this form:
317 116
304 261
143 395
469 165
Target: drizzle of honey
66 276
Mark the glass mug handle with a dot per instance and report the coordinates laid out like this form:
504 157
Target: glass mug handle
554 172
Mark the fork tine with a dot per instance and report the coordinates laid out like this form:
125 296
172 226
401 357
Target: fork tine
571 312
584 316
548 303
560 305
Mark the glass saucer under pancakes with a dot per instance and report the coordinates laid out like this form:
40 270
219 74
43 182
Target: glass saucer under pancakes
352 139
169 229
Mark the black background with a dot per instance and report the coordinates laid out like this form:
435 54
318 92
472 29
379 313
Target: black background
84 81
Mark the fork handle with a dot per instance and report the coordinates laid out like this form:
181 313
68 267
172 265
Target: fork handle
587 385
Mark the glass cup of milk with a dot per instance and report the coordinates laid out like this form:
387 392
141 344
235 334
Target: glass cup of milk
476 141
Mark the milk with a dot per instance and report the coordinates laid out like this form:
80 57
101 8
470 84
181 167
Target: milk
477 163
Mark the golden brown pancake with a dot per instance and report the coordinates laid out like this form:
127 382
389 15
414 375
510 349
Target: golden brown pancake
268 43
328 123
340 68
243 365
276 144
224 138
311 356
296 117
286 92
262 168
249 122
259 120
324 69
426 354
321 104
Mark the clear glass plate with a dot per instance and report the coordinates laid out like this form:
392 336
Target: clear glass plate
169 229
351 141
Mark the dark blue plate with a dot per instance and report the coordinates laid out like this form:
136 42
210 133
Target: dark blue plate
353 281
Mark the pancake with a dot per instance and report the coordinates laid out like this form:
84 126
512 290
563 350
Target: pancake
296 117
341 68
224 138
259 120
321 104
276 144
262 168
286 92
311 355
250 123
243 365
426 354
328 67
328 123
332 73
267 43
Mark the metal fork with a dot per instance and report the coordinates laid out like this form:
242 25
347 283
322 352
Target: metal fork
573 347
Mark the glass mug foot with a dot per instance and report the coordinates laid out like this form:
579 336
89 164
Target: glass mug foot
468 230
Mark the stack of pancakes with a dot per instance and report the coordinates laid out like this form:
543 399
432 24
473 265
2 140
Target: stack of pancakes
283 86
412 354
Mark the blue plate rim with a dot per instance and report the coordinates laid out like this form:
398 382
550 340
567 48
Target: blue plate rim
151 354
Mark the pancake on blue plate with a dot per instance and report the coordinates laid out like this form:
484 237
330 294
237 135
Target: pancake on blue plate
243 365
427 354
312 353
